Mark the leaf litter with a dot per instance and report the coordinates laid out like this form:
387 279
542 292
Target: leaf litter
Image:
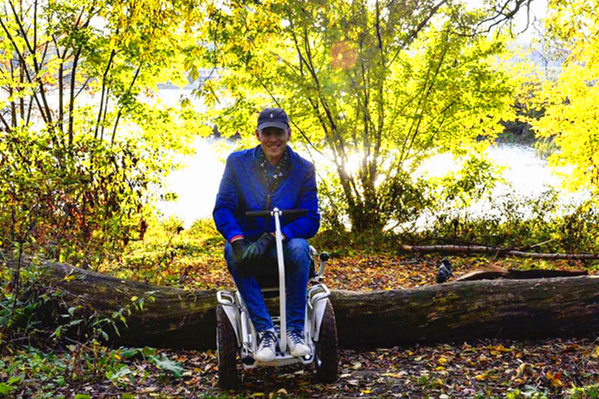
484 368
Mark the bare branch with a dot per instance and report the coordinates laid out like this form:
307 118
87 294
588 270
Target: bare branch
104 94
6 125
501 15
118 117
36 66
414 128
414 32
72 94
25 69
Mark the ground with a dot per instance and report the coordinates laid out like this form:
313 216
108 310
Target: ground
483 368
480 369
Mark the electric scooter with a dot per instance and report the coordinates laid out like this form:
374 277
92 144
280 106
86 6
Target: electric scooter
236 337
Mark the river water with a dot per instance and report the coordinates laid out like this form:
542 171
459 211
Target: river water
196 184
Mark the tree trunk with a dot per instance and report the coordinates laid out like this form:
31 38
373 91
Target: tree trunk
558 306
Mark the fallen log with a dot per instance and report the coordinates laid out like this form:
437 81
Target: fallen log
483 249
557 306
513 274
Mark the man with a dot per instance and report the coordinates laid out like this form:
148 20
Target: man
262 178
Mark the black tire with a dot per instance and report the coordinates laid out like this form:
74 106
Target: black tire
327 347
226 347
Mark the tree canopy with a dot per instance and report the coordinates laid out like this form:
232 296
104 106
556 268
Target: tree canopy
386 83
83 146
376 88
569 102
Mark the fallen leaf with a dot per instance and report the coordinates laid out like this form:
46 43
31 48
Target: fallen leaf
555 379
394 375
520 369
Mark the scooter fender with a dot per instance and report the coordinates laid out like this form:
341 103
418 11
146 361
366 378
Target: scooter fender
233 316
319 308
227 300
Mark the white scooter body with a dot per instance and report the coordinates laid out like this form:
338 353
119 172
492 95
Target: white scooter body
247 338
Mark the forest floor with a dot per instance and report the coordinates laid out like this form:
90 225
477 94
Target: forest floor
485 368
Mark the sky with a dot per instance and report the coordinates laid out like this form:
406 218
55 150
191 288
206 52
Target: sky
537 11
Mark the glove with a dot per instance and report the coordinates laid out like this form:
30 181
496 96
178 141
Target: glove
240 248
258 248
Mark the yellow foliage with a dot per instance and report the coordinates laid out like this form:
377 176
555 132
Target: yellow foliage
571 118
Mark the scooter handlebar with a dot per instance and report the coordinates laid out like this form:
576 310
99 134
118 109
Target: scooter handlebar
289 212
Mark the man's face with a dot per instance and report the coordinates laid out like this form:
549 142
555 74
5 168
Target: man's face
273 142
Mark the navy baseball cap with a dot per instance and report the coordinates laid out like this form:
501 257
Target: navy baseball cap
273 117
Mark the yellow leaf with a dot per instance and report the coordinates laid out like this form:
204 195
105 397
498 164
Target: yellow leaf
257 394
502 348
442 360
555 379
480 377
520 369
394 375
133 298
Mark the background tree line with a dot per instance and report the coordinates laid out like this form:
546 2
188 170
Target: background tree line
82 147
377 87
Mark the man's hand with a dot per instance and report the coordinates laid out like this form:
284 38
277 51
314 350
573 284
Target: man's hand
259 247
240 249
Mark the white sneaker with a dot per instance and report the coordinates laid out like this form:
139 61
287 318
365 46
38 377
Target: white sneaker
267 346
297 343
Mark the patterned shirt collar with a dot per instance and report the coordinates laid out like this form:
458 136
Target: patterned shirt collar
273 174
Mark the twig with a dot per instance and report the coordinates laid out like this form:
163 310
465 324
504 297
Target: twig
467 249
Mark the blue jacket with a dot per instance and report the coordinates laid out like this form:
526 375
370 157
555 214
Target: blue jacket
244 188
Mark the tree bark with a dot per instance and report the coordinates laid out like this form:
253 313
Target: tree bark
470 309
523 308
492 273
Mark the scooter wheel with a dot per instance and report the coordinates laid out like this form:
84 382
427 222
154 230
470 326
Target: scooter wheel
226 346
327 347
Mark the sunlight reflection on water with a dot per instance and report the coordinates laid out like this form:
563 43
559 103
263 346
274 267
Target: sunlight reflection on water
196 184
